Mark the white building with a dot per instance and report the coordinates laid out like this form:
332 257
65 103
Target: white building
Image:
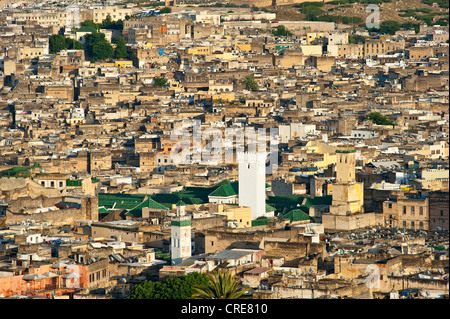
295 130
364 134
252 182
181 246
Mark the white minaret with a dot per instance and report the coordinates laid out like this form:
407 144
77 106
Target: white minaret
252 182
180 237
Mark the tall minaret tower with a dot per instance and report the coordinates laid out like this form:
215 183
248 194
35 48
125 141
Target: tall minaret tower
252 182
348 195
180 236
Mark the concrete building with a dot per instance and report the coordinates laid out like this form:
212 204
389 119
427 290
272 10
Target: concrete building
181 246
252 182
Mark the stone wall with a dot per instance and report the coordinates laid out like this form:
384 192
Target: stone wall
57 218
211 241
292 252
400 283
352 222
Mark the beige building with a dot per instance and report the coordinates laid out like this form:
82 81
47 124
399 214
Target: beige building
115 12
348 195
382 46
408 213
240 216
347 210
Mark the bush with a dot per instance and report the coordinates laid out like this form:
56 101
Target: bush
355 39
380 119
165 10
281 31
159 81
440 3
169 288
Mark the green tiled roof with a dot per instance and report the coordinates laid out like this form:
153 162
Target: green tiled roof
269 208
133 203
318 200
181 203
227 189
87 28
281 202
150 203
73 183
260 222
296 215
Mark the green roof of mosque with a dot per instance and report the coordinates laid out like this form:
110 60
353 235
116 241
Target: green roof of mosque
133 203
227 189
281 202
150 203
318 200
260 221
296 215
87 28
181 203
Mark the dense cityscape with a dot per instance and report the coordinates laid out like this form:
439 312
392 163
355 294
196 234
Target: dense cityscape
291 149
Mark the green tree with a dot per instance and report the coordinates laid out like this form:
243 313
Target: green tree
281 31
220 285
90 23
170 288
73 44
380 119
120 52
165 10
355 39
97 47
57 43
159 81
108 23
250 83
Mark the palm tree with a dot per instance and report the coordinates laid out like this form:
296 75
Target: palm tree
220 285
250 83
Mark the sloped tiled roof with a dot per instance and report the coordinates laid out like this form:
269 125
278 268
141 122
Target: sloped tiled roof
296 215
227 189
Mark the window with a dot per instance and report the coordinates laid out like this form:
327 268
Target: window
421 225
421 210
442 213
412 224
404 210
412 210
404 224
